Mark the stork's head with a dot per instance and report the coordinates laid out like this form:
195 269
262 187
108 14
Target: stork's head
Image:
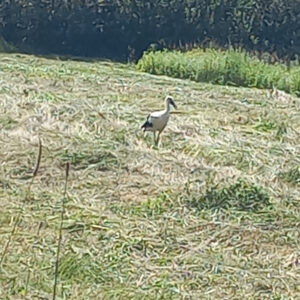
170 100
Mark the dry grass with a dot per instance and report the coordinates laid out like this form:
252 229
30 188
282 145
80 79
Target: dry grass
130 229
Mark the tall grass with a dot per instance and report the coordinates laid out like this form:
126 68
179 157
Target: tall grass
232 67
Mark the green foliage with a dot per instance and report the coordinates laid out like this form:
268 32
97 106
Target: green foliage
126 28
232 67
239 196
5 47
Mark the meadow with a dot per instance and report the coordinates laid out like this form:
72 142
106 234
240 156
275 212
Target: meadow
231 67
212 213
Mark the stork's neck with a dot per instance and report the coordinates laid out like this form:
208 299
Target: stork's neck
167 106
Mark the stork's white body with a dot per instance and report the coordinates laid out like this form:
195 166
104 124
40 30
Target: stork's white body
158 120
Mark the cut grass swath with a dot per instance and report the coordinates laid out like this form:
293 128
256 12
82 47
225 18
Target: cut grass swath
60 232
27 197
132 204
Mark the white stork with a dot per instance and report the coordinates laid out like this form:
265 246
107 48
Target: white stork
157 121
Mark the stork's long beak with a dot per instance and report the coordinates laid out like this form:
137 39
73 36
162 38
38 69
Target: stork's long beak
173 103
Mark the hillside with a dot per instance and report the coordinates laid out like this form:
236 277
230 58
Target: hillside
167 222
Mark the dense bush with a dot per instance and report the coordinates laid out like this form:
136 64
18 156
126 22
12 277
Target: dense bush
232 67
125 28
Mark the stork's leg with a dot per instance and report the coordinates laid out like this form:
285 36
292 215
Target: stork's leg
157 140
154 137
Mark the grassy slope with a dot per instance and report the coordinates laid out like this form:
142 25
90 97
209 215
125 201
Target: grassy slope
130 230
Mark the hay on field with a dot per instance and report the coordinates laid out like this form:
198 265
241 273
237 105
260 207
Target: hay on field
129 228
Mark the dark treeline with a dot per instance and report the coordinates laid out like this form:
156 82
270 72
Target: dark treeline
124 28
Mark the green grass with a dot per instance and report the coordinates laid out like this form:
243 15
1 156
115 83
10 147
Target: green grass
291 176
213 212
232 67
239 196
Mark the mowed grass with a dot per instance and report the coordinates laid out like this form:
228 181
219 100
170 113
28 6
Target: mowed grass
212 213
231 67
